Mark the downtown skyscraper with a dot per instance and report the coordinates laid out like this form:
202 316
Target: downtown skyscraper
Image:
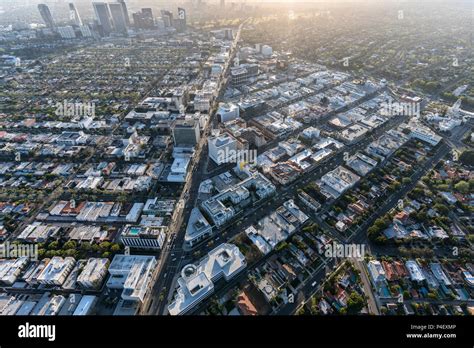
103 16
118 17
46 15
74 16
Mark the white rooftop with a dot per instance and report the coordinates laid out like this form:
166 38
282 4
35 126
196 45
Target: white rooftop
196 281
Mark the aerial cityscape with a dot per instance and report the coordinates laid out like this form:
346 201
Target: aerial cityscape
236 158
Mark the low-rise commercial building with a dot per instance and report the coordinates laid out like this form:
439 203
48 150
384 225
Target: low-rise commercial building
133 274
139 237
338 181
221 148
221 213
242 74
93 274
86 305
197 229
10 269
197 281
186 132
227 112
56 270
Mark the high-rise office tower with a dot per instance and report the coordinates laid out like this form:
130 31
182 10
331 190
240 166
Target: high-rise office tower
186 133
222 3
46 15
74 15
118 17
180 22
67 32
167 17
144 19
137 19
147 14
182 14
102 14
85 31
125 12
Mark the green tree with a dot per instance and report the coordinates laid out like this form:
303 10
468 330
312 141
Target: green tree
471 184
441 208
104 246
462 186
70 245
86 246
41 253
53 245
314 305
115 248
467 158
355 303
301 311
70 252
50 253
